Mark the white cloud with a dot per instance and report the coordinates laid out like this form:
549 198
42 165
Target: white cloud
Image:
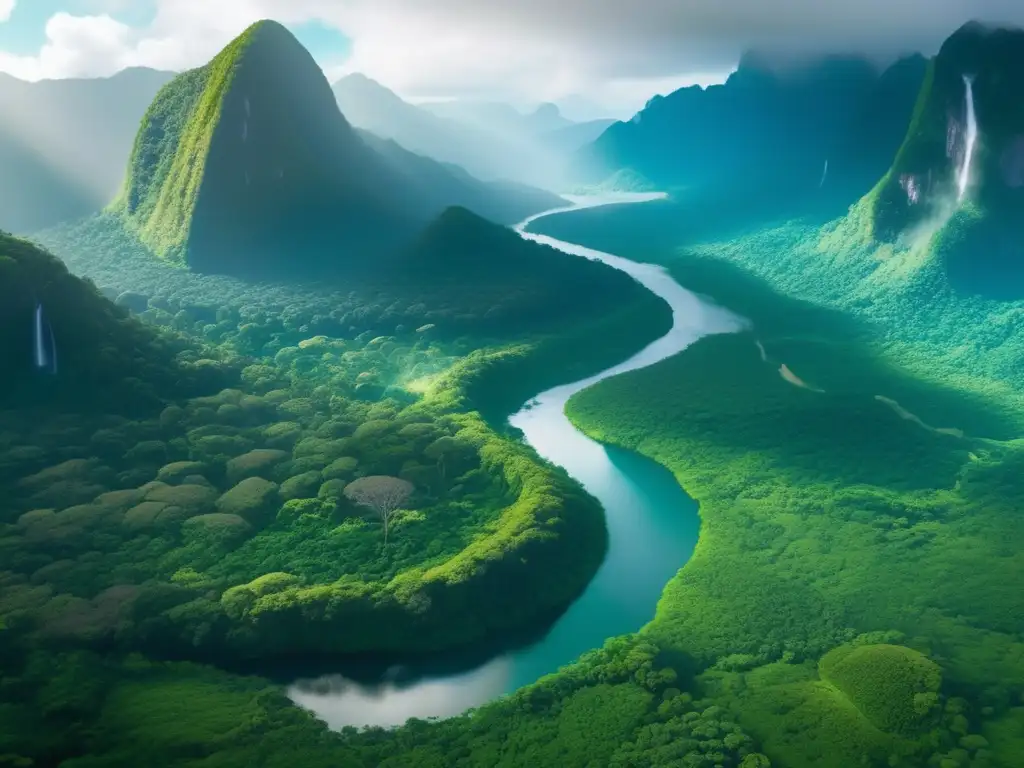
75 45
609 50
6 9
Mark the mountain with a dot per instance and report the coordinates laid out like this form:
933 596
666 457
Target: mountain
247 162
762 127
580 109
64 144
368 104
499 118
546 118
521 283
959 174
870 141
500 147
571 138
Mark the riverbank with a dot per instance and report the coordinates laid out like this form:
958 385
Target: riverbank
652 531
220 529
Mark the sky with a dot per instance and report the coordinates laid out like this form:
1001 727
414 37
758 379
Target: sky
616 53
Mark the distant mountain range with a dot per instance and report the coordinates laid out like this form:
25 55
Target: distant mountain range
765 127
64 144
246 166
491 140
502 119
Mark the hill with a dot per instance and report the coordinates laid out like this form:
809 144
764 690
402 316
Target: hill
64 144
764 127
244 163
94 355
958 178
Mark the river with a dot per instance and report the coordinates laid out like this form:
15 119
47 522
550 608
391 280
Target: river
652 527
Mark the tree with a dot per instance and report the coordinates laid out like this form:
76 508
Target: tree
381 493
449 453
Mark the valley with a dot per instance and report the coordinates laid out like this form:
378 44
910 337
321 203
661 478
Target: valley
348 431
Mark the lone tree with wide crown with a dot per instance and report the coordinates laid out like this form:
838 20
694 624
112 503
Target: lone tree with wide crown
381 493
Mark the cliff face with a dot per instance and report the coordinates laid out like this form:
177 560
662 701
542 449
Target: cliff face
960 170
248 158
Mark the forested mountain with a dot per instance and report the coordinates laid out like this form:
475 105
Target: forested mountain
247 166
765 127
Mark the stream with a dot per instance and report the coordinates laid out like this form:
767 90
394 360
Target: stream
652 528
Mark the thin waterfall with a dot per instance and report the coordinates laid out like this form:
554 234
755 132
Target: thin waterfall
964 175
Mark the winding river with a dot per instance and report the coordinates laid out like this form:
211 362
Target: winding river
652 527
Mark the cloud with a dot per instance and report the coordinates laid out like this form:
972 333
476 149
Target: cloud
558 45
6 9
537 49
75 45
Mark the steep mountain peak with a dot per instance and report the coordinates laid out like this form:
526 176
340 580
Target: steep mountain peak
250 145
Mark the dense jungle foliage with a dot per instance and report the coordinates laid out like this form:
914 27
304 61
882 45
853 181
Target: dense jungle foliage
215 527
857 460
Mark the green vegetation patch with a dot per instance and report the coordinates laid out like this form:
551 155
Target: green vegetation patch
828 511
894 687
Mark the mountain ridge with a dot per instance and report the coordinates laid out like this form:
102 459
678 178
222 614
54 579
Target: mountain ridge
767 127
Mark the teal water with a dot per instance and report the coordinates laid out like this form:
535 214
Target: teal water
652 526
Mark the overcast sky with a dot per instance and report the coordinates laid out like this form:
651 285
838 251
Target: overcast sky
617 52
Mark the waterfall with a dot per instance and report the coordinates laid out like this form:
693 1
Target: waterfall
37 337
971 138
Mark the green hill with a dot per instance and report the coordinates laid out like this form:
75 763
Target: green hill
974 220
245 163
